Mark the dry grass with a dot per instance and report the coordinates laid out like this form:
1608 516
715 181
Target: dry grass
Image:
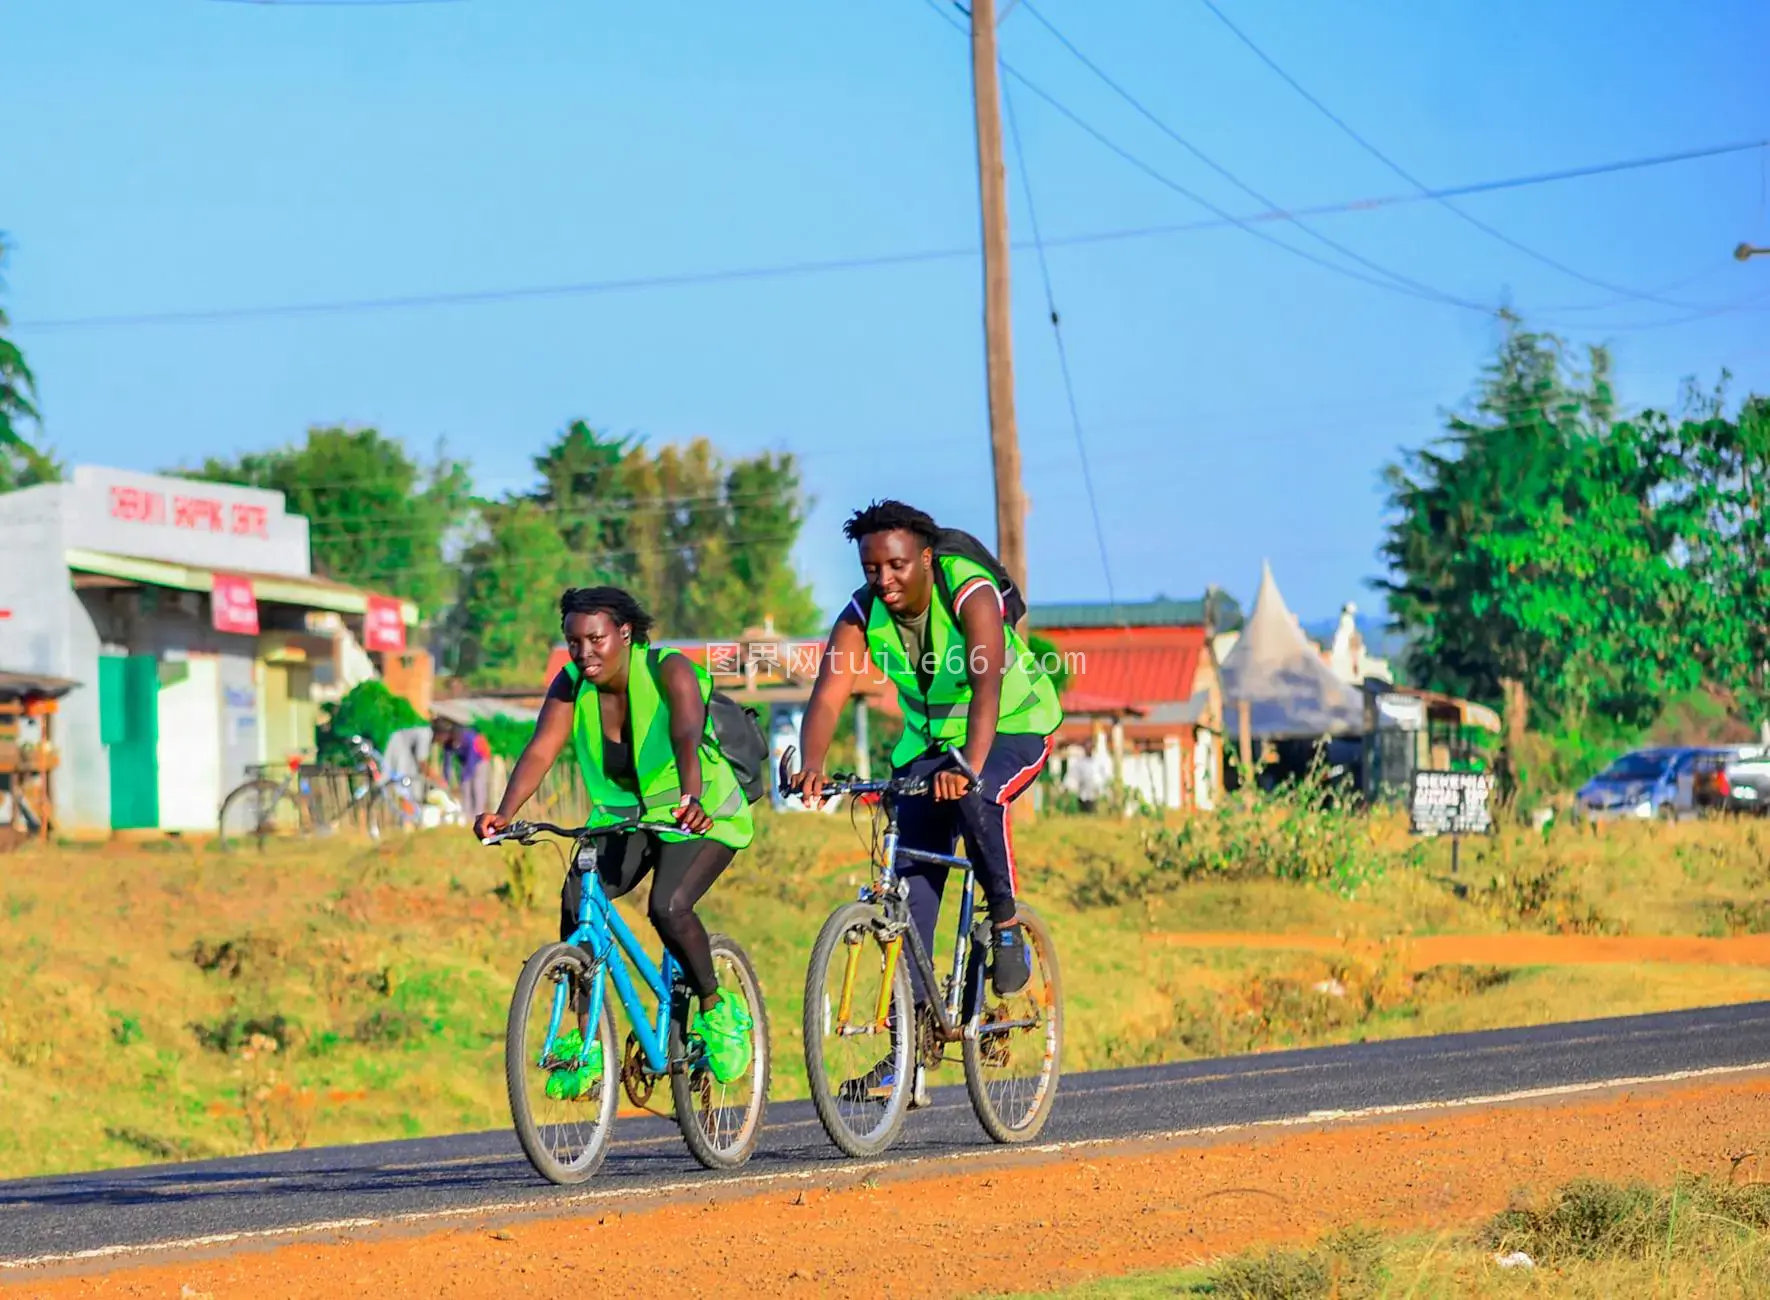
1590 1239
169 1003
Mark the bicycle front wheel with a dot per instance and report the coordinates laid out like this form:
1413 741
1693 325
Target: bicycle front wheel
257 811
564 1110
721 1121
1013 1059
859 1030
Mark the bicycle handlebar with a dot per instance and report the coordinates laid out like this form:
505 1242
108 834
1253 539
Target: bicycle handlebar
521 832
898 786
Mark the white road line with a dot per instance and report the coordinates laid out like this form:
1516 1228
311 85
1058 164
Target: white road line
847 1169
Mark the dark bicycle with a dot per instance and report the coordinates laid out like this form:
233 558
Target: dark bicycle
867 1046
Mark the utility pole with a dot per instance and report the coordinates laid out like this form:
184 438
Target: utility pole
998 342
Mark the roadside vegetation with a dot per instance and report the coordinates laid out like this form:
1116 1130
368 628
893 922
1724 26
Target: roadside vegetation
1590 1239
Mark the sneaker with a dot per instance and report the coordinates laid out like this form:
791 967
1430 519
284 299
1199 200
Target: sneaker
875 1085
578 1070
725 1032
1010 972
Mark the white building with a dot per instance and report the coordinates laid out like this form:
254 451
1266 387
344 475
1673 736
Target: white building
191 617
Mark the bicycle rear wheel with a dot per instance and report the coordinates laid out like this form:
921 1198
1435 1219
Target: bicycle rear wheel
859 1031
721 1121
1013 1061
564 1137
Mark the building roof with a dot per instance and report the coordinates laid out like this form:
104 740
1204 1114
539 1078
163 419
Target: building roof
16 685
1140 666
277 588
1160 612
1290 691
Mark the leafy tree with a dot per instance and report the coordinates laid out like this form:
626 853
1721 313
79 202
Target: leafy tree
379 519
704 543
21 463
369 710
1716 510
1606 565
512 576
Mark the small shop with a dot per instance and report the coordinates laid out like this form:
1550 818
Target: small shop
191 613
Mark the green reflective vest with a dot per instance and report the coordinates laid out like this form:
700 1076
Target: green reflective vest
654 759
1029 704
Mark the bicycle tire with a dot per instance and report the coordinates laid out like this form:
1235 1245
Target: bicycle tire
976 1084
269 795
684 1082
517 1065
861 1146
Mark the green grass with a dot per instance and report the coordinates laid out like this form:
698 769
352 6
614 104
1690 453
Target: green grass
179 1002
1590 1239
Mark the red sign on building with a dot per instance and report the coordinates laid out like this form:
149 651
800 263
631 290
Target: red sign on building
233 606
384 627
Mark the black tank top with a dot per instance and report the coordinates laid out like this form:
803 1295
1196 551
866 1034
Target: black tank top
617 762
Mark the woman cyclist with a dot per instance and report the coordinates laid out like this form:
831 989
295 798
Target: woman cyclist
637 719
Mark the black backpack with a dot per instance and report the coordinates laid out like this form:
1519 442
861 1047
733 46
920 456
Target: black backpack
962 545
737 731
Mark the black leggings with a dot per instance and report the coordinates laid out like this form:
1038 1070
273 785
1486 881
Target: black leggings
684 871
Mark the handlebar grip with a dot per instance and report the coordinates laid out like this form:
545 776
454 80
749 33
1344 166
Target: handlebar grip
964 766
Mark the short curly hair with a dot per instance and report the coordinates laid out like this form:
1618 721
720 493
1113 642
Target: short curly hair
617 604
888 517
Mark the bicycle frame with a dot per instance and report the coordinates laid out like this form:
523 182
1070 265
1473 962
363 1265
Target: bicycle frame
611 944
952 1020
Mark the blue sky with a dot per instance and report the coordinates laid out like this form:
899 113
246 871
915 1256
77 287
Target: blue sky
1239 402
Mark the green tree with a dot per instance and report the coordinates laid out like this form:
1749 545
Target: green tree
704 543
1607 565
507 618
378 518
1716 511
22 464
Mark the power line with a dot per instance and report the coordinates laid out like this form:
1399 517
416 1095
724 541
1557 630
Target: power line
1069 391
687 279
1419 185
1416 286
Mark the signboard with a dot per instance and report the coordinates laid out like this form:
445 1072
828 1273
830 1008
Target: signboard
384 627
160 517
1451 803
233 607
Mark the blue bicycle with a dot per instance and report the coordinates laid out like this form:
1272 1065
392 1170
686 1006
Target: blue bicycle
561 1073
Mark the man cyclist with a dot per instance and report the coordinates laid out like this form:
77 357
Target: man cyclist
963 678
637 721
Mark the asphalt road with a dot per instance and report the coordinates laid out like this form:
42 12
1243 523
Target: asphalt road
68 1214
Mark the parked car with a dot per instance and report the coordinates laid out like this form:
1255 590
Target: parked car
1644 783
1742 781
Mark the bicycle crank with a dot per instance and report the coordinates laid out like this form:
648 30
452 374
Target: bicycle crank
636 1080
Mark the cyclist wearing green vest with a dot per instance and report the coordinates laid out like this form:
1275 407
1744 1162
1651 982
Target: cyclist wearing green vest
636 718
964 678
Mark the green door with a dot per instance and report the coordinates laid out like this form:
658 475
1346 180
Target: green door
129 722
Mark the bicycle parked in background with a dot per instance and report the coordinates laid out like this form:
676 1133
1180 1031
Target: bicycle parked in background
867 1046
560 1065
318 801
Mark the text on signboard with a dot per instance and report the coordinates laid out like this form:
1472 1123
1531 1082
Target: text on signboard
200 514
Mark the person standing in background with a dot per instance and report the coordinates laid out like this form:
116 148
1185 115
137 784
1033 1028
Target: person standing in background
466 763
410 753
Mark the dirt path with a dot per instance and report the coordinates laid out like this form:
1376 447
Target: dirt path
1036 1222
1510 949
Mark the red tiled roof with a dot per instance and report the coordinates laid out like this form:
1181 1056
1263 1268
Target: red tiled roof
1134 665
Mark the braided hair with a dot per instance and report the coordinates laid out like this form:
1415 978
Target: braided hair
617 604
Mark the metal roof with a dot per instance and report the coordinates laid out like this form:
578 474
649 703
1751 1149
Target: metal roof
1160 612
